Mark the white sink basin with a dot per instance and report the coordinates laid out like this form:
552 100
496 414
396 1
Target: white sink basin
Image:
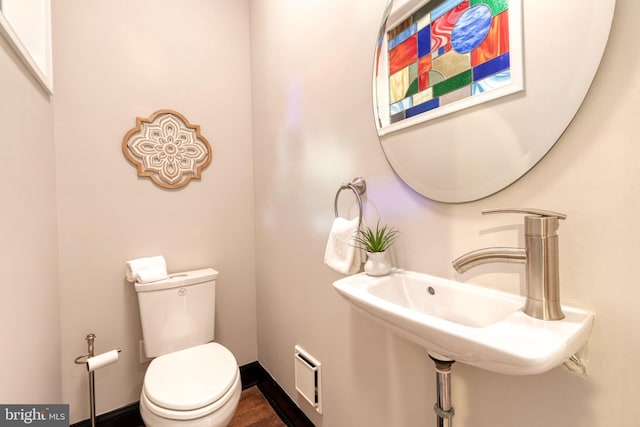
467 323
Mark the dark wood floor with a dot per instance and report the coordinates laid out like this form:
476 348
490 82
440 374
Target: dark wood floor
254 411
263 403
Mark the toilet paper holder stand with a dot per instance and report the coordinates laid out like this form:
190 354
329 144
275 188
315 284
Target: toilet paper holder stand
84 360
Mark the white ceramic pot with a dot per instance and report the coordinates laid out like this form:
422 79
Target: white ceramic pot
377 264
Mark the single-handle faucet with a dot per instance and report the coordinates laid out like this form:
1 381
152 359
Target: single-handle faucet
540 256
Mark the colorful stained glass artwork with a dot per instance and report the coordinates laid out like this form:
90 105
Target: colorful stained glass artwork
456 95
493 82
402 36
471 28
424 41
441 55
423 108
442 27
403 55
398 84
496 41
451 63
446 7
493 66
497 6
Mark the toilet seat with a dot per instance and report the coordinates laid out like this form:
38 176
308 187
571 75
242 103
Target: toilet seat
191 383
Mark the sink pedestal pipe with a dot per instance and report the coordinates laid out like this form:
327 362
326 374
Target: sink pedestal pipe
443 409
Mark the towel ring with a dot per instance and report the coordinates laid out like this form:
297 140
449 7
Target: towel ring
358 185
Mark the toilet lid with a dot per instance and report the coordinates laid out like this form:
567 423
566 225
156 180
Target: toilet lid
191 378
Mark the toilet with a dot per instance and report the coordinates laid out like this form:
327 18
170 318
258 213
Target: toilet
192 381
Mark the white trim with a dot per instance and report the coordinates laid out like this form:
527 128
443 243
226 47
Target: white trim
44 76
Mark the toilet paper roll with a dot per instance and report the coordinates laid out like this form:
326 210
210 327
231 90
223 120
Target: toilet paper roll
101 360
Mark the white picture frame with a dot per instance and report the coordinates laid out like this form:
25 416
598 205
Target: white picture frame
26 25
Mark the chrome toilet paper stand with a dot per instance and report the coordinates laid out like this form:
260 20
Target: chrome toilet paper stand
83 360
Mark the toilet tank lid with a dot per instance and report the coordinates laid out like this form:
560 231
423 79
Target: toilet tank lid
176 280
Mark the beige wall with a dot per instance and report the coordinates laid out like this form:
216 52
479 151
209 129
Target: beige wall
313 130
29 308
115 61
312 126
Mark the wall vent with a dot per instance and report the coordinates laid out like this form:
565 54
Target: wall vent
308 378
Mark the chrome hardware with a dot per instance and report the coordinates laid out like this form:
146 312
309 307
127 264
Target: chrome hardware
92 387
82 360
540 256
358 185
443 406
484 256
540 212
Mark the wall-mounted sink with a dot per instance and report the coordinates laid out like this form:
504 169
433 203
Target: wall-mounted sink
467 323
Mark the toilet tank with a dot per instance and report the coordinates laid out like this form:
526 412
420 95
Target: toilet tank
177 312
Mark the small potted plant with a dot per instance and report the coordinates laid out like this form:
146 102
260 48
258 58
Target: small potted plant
376 242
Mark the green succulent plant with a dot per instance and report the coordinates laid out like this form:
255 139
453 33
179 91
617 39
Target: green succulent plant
378 240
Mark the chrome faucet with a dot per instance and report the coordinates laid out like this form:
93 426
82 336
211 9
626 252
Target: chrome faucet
540 256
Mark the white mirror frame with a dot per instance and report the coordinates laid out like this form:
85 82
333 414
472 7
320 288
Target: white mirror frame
473 153
26 25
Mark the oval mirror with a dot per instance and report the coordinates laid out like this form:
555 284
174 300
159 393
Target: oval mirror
469 95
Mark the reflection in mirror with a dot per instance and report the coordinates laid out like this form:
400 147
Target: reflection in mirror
26 25
436 58
448 79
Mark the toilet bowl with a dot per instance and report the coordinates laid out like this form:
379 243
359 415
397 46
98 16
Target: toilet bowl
193 381
196 387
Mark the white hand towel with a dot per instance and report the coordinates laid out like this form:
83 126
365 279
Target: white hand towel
143 270
342 253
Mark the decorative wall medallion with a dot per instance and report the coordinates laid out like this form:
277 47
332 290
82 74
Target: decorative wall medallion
167 148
